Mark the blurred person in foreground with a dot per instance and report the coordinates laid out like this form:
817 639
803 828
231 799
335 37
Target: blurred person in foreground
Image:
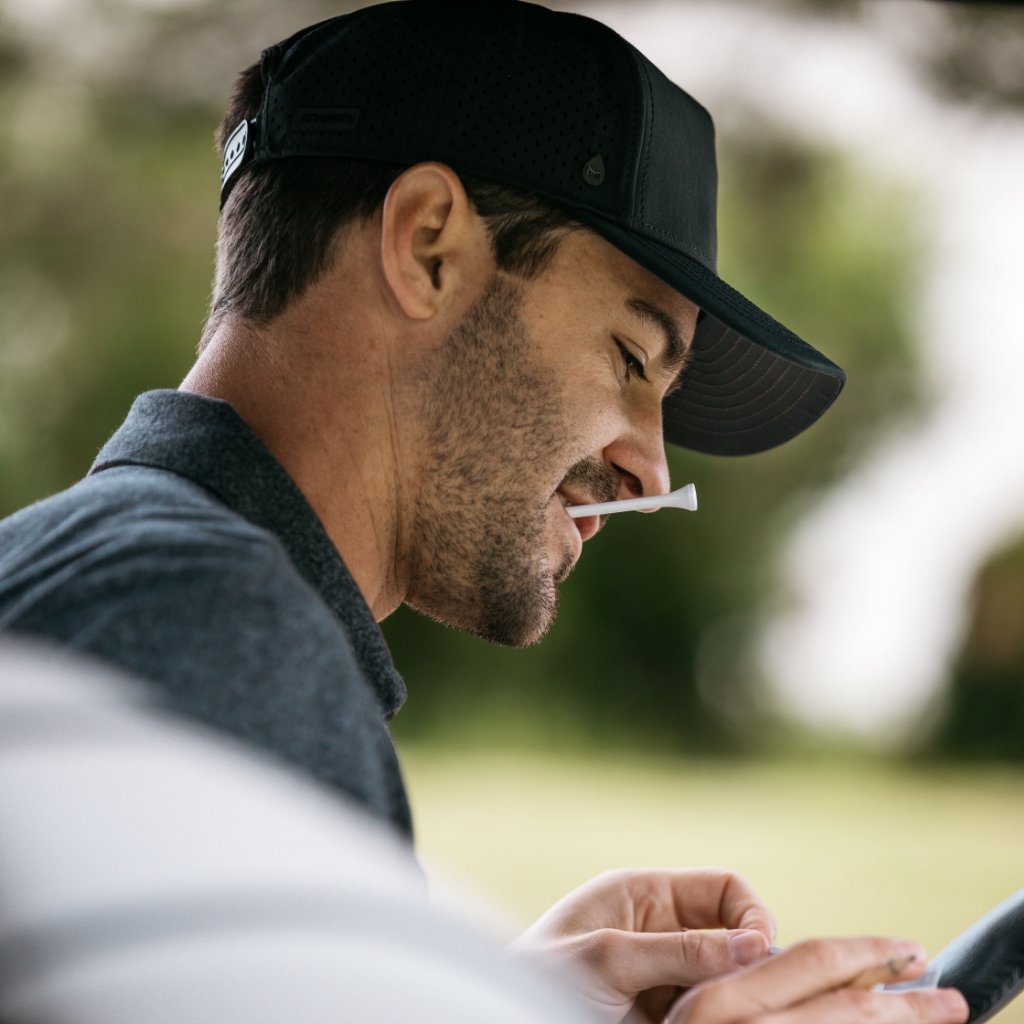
155 870
465 278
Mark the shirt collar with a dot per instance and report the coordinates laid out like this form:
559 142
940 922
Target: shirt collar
206 441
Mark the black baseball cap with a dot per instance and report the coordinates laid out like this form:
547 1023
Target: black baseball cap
561 106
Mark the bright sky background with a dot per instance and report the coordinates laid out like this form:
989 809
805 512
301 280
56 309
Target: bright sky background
881 568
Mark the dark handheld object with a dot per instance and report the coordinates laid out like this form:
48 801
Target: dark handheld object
986 962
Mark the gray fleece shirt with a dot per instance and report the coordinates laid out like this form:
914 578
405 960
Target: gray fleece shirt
189 558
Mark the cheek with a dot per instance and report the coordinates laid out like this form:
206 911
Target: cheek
588 409
594 419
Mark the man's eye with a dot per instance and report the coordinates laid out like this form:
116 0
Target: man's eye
634 368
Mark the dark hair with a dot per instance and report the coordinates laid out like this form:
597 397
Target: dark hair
281 221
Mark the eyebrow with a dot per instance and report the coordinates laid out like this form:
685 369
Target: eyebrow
654 316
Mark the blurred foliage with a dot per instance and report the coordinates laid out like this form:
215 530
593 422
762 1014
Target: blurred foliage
964 50
977 54
983 714
108 189
104 269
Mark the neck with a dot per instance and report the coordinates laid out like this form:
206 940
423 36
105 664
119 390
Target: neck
330 419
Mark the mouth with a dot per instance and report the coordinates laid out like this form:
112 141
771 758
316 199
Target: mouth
587 526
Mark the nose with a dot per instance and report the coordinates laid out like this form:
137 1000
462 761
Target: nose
638 457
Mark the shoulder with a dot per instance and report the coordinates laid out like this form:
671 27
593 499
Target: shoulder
126 510
133 543
151 573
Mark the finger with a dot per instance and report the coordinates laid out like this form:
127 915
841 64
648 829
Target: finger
933 1006
633 962
801 973
668 900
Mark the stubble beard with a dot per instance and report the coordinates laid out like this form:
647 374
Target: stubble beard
494 421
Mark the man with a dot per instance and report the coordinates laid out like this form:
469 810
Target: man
462 257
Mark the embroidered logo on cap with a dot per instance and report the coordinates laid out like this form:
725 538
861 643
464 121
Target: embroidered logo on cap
593 170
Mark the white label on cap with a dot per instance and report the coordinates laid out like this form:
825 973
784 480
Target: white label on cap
234 151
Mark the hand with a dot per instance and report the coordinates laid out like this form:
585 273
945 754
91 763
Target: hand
642 936
817 983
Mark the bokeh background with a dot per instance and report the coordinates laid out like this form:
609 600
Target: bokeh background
819 677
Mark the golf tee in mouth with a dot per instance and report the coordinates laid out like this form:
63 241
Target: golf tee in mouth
684 497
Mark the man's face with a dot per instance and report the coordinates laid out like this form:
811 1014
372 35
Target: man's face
547 392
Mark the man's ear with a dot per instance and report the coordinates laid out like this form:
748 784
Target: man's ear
435 249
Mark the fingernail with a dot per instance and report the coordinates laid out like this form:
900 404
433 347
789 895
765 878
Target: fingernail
746 947
911 951
898 964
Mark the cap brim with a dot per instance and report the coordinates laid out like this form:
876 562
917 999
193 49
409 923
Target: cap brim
751 383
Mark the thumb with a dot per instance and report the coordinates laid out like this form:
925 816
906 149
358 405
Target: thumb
644 960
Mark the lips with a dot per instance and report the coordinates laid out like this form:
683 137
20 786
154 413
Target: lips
586 525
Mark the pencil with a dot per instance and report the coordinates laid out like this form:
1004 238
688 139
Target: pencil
883 973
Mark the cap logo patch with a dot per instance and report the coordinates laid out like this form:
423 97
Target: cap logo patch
593 170
234 151
326 119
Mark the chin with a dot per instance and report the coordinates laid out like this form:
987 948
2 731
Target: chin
522 612
521 621
516 615
517 633
503 589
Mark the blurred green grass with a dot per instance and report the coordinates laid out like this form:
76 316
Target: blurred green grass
834 846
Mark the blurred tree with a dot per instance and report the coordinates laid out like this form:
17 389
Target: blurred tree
978 58
965 50
982 717
104 270
976 55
